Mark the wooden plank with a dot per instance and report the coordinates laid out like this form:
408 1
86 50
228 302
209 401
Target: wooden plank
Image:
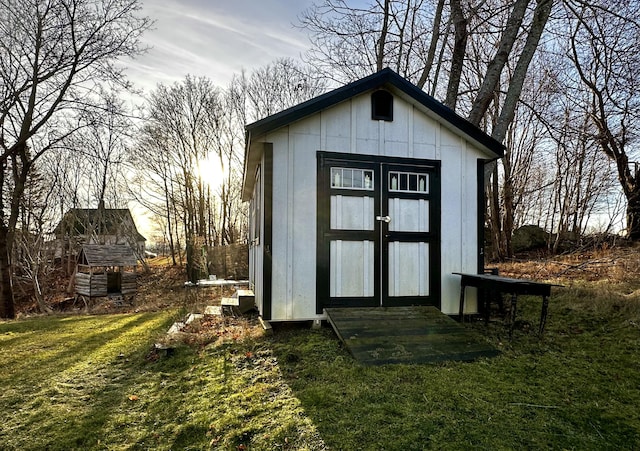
377 336
108 255
265 325
390 330
128 283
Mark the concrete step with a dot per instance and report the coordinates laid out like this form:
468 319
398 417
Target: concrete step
244 300
213 310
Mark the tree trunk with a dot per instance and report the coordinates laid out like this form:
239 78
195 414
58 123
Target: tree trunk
37 289
435 34
7 306
538 23
459 50
496 225
169 221
486 92
509 208
633 214
20 166
191 273
170 235
382 41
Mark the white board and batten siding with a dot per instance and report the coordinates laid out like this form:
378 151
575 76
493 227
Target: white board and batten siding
347 127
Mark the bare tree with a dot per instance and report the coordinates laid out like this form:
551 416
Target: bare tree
265 91
461 35
182 131
52 54
102 143
193 125
33 255
349 42
604 49
154 184
486 49
272 88
433 47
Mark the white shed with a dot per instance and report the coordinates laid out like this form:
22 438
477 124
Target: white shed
368 195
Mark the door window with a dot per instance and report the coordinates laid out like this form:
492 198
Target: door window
350 178
409 182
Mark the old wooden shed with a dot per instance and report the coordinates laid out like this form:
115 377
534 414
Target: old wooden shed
369 195
105 270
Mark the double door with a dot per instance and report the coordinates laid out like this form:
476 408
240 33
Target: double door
378 231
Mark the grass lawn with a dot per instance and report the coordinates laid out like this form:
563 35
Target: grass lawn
90 382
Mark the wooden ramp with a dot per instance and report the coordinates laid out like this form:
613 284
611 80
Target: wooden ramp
381 335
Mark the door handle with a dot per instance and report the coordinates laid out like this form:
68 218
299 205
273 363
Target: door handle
386 219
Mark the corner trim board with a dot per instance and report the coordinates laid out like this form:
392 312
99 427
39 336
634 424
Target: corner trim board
267 270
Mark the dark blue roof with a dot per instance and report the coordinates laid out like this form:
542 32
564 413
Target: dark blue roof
385 76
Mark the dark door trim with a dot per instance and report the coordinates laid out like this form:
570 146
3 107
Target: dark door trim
323 298
482 201
324 190
432 237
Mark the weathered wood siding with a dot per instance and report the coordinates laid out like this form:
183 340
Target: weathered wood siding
83 284
348 128
99 285
96 285
129 283
91 285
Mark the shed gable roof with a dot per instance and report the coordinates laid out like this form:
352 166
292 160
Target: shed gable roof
80 221
106 255
385 76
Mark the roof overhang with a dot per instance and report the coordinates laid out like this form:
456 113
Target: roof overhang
387 78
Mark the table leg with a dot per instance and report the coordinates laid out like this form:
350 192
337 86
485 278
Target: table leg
461 311
514 308
488 295
543 315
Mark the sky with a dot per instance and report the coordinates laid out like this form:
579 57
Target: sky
212 38
215 38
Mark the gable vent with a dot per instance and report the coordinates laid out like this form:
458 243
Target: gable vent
382 106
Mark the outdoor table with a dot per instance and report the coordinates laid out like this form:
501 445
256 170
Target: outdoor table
509 285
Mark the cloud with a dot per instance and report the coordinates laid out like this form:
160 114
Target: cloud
215 39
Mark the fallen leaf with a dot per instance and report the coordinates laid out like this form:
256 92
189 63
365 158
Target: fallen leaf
133 398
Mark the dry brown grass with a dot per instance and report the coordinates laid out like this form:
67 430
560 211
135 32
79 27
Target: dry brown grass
163 287
603 281
613 265
160 288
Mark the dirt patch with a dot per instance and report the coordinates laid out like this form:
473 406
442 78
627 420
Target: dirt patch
217 330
